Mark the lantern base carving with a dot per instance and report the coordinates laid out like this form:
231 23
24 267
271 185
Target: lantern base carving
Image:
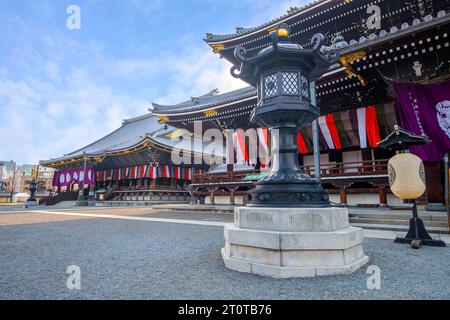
293 242
288 189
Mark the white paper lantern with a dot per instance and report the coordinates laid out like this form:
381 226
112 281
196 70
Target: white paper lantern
406 176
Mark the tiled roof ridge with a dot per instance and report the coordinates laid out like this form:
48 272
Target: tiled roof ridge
405 26
137 118
213 99
242 31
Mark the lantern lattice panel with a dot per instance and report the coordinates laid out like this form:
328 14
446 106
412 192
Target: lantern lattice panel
290 82
270 85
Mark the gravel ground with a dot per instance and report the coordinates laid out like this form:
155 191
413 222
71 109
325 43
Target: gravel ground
147 260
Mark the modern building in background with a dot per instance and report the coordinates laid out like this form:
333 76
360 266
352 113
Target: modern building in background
15 180
382 43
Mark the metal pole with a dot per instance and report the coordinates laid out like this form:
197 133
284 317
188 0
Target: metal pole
315 133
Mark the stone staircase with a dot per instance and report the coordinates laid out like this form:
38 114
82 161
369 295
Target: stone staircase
397 220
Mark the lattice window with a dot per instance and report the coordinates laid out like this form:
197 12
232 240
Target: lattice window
270 85
305 87
290 83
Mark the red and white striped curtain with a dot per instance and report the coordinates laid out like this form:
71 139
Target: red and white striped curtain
264 152
166 171
147 172
368 128
240 147
188 174
153 172
177 173
330 133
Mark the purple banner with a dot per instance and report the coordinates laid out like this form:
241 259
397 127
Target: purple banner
425 110
70 176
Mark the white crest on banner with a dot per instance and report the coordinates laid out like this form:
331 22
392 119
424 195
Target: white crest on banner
68 177
62 178
75 176
81 176
443 116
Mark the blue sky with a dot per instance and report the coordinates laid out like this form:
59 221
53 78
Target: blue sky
61 89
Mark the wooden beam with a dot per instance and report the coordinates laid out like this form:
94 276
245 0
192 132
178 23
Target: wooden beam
343 195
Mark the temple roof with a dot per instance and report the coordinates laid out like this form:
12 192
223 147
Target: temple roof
147 128
212 99
331 18
293 11
134 134
404 29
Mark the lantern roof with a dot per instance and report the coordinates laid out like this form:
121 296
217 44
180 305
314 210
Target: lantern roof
313 62
401 139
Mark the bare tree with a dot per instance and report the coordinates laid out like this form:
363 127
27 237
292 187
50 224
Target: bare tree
11 183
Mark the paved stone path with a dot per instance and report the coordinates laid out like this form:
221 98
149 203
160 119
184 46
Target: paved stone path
134 254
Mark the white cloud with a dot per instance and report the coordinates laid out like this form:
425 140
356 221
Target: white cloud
41 120
57 94
48 113
196 73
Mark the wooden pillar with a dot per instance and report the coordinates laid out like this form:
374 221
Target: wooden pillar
211 197
231 196
366 156
343 195
434 183
383 196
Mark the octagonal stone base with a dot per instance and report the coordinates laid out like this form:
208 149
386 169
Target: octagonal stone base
299 242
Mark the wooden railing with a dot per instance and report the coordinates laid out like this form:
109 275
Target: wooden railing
348 169
150 195
361 168
223 177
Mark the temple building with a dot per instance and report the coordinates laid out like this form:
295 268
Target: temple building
382 44
133 163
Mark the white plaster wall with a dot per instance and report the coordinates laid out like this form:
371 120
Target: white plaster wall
335 198
367 198
225 200
352 199
351 156
309 160
392 200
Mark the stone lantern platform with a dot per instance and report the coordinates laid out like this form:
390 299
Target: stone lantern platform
293 242
289 228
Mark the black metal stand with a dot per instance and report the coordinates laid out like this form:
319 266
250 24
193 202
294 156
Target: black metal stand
418 233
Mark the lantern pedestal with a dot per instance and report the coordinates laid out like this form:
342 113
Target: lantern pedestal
32 200
293 242
417 232
31 203
289 228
